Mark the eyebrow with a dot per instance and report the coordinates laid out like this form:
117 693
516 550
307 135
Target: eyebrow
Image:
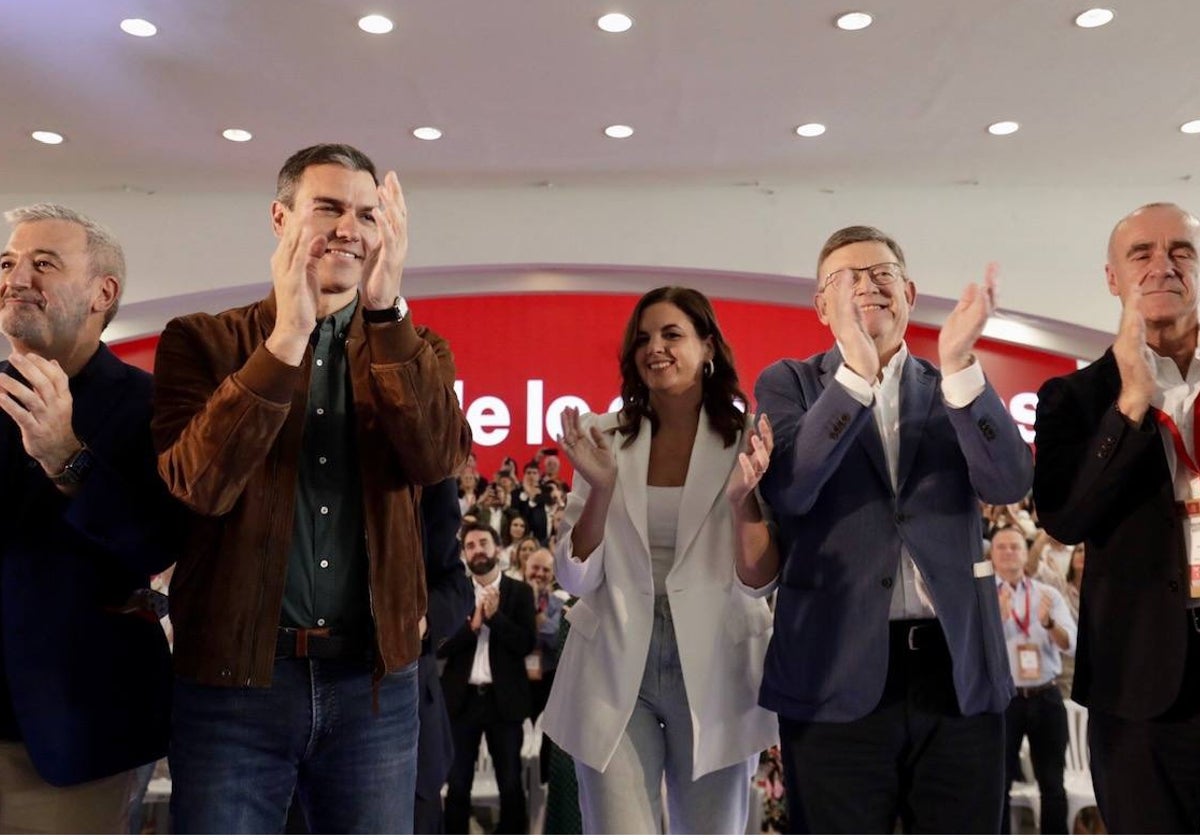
1144 247
337 202
37 252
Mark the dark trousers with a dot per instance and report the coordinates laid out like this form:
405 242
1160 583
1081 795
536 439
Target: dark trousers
914 757
1043 718
1147 772
477 719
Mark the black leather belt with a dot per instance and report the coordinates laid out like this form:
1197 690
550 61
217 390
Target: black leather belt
1034 690
317 643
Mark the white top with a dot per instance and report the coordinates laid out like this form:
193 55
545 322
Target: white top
481 667
662 523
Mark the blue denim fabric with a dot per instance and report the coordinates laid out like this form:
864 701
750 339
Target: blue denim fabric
238 753
657 744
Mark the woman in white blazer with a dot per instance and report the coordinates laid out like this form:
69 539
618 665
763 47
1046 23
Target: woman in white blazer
659 678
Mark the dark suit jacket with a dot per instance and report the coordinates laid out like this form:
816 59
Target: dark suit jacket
842 526
513 635
450 598
90 688
1104 483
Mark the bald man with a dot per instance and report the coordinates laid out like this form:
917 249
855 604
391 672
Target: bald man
1116 470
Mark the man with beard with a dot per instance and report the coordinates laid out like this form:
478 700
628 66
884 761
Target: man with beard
84 669
486 686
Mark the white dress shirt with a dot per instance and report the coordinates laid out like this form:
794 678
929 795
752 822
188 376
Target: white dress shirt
481 667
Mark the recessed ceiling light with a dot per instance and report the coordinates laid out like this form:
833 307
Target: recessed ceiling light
140 28
237 135
427 132
1190 127
1093 18
50 138
615 22
1003 127
810 130
853 21
375 24
619 132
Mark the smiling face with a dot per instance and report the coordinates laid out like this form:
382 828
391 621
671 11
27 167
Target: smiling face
1155 248
884 309
669 355
1009 553
48 291
539 569
339 204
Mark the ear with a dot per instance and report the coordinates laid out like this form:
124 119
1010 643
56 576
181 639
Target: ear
1110 277
712 352
108 289
278 217
819 306
910 293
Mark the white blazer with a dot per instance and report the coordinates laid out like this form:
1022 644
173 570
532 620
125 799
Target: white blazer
721 631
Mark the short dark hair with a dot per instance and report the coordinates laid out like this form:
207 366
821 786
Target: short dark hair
720 389
857 233
1014 529
338 154
480 526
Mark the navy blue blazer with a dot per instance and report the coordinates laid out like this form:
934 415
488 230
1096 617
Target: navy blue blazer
841 527
90 687
450 598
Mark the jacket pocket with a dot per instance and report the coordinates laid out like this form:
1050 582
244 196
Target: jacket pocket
583 619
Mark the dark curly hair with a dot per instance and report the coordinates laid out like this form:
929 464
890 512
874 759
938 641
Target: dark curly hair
719 390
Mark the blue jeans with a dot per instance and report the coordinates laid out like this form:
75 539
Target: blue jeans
237 754
656 746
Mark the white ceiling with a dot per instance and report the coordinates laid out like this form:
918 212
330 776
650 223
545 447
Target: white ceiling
523 89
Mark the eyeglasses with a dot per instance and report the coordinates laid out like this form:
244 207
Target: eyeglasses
881 274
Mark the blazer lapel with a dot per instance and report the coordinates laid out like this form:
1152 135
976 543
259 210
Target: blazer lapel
708 471
633 466
917 388
868 438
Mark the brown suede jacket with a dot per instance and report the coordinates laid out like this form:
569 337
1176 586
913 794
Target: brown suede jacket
228 424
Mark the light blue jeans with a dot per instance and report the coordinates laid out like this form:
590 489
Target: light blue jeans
238 753
627 797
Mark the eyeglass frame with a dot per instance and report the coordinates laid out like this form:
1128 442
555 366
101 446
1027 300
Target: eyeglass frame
869 270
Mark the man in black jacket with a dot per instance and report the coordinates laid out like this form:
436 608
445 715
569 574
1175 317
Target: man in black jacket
486 685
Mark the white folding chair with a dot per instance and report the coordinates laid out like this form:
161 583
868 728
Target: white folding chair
1024 795
1078 776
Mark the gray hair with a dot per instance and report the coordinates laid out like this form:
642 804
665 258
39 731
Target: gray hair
105 255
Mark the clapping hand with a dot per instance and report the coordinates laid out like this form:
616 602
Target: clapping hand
1129 349
385 267
965 323
752 463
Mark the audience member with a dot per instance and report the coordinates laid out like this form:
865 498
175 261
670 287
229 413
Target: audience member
486 685
1039 630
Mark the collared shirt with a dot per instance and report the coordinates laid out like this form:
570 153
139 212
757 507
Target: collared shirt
1050 656
481 667
327 560
1176 397
910 599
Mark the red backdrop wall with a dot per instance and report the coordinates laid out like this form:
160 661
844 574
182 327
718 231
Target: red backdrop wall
522 357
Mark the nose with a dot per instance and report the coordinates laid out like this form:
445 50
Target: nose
347 228
1161 262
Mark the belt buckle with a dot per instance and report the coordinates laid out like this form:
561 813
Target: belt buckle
912 637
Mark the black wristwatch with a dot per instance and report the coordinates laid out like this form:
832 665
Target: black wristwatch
394 313
76 469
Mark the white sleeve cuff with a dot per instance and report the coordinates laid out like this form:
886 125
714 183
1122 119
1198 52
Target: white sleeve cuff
858 387
960 389
761 592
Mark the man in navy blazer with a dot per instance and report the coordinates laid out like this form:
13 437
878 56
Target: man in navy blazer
84 664
887 667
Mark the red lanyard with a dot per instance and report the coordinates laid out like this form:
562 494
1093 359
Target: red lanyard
1181 450
1023 626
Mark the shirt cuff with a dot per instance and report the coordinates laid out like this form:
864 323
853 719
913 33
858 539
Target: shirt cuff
858 387
760 592
960 389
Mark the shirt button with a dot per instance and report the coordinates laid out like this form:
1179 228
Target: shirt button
324 564
320 622
320 362
322 460
324 509
320 411
886 582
